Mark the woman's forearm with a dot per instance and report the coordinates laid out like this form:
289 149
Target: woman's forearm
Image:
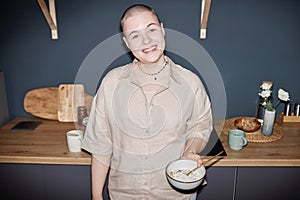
194 145
99 173
192 149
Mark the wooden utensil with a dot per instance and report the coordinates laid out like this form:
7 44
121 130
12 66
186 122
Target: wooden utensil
203 164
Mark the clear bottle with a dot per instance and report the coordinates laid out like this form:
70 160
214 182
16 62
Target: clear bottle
82 117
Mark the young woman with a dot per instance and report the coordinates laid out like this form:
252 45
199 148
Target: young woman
144 115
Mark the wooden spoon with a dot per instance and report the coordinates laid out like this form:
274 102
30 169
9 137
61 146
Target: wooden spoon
197 167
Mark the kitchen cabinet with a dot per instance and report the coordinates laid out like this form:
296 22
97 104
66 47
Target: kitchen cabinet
48 182
21 182
220 184
261 183
67 182
63 182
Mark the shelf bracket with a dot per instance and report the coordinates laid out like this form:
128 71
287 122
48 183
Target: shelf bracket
205 8
50 16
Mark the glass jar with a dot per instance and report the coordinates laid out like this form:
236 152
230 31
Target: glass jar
82 117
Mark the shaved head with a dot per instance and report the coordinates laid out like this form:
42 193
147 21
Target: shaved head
138 8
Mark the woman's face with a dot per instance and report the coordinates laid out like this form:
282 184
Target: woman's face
144 36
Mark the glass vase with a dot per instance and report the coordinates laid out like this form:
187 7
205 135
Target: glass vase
268 124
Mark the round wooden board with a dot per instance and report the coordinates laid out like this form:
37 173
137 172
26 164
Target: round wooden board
256 136
42 102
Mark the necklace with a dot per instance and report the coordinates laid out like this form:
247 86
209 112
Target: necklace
153 74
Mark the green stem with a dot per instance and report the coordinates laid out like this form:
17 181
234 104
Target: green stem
269 106
277 104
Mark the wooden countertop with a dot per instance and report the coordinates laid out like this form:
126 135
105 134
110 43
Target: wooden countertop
283 152
47 145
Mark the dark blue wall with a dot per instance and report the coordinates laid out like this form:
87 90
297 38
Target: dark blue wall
249 40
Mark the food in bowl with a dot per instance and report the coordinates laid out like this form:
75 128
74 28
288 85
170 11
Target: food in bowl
180 175
247 124
176 174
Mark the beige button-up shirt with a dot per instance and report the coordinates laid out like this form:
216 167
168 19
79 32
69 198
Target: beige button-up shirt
141 124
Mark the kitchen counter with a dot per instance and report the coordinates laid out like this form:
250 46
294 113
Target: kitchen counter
47 145
283 152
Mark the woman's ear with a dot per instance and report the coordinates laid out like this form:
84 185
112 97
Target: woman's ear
124 39
162 28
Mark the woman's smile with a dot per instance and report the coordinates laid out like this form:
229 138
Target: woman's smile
150 49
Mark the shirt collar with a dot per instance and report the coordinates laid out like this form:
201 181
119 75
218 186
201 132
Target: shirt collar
128 73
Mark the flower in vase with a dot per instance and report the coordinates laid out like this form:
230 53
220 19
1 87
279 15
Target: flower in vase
266 91
265 94
282 96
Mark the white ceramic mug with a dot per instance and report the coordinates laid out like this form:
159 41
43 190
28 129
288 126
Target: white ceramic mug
74 139
237 139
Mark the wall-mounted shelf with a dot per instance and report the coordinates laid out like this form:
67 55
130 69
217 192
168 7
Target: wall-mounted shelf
205 8
50 16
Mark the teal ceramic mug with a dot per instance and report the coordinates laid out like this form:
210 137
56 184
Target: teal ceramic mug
237 139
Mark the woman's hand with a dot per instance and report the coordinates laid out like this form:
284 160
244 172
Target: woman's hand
194 145
192 156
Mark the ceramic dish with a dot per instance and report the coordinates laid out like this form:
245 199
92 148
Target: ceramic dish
175 172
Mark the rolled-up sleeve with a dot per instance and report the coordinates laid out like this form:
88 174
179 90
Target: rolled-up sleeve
200 123
97 138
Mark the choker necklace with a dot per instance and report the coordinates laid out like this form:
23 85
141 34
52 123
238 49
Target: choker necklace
153 74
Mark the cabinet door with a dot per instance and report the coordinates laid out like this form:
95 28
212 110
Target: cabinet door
261 183
220 184
21 181
67 182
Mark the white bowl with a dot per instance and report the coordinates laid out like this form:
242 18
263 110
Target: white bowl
184 164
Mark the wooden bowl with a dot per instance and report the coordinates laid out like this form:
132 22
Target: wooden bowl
247 124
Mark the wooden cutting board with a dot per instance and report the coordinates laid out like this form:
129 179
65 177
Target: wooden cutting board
70 96
44 103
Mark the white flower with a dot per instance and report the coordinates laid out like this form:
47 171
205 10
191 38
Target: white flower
283 95
265 93
266 85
